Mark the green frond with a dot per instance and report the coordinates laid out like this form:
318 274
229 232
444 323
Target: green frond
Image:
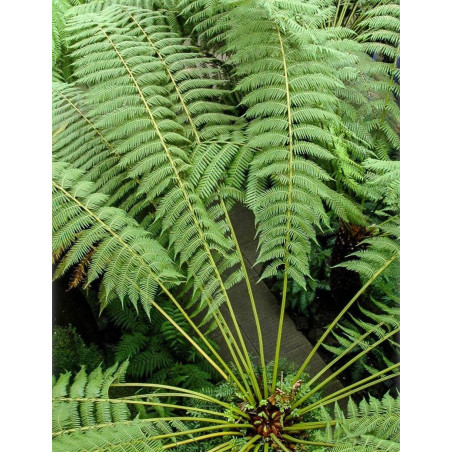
161 79
128 260
384 181
288 126
374 253
130 345
148 361
71 414
96 6
86 418
59 8
373 426
134 436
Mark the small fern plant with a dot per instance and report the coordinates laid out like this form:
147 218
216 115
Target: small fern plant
167 115
155 349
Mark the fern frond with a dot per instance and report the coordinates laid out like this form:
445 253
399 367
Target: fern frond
59 8
129 262
85 418
289 72
383 185
69 414
148 361
135 436
153 145
289 105
123 253
374 426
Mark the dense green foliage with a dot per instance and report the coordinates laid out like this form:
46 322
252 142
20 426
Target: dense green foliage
382 312
70 352
165 115
155 350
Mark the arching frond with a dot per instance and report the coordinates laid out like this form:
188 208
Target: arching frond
122 253
144 128
86 416
129 261
287 82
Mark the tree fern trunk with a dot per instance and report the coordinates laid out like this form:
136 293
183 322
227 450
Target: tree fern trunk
345 283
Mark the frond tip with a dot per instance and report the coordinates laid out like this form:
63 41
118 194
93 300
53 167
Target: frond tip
374 426
129 261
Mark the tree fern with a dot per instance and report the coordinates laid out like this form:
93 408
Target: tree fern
149 133
175 111
77 212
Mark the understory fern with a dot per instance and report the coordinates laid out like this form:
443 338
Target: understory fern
382 312
155 350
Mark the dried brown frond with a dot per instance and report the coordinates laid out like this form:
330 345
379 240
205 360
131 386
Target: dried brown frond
56 256
79 274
